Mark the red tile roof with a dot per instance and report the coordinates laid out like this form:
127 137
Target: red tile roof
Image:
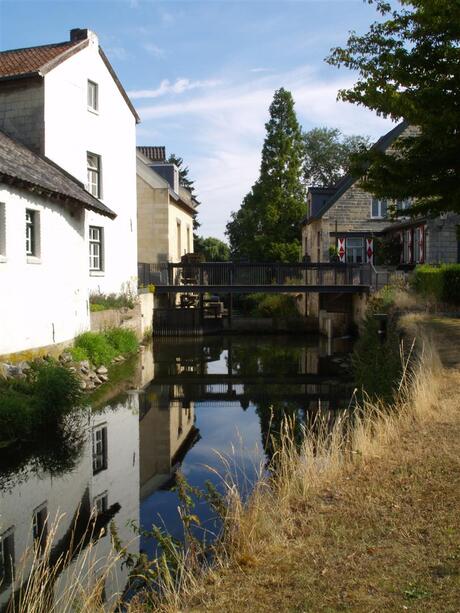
20 62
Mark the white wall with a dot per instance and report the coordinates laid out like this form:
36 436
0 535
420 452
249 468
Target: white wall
71 130
43 300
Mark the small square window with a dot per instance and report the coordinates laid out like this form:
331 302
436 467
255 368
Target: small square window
101 503
99 448
32 233
96 248
93 96
94 174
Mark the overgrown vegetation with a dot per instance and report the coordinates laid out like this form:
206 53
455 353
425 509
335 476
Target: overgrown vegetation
278 306
102 302
438 283
102 347
45 395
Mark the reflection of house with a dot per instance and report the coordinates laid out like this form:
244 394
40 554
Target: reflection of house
166 432
65 101
106 478
350 219
165 209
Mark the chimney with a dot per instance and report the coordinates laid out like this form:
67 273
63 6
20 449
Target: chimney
79 34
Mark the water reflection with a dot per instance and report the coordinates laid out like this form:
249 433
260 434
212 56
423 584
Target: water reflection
189 399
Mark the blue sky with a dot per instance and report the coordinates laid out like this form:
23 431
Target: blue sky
202 74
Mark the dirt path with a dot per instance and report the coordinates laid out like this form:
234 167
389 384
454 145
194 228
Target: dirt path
386 538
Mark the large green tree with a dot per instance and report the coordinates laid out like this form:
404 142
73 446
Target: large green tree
409 68
328 153
266 227
213 249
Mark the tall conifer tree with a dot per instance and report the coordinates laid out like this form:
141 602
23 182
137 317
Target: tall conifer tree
266 227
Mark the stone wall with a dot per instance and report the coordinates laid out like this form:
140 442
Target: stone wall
139 319
442 240
22 112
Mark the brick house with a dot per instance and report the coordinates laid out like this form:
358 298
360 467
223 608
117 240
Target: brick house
350 219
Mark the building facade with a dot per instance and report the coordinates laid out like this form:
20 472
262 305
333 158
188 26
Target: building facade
346 223
65 102
165 211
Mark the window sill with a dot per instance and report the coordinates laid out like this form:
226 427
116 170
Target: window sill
93 111
96 273
3 259
32 259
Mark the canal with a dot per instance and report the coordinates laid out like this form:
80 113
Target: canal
208 407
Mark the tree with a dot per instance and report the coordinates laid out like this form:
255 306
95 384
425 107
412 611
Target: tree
185 181
327 155
409 66
266 227
213 249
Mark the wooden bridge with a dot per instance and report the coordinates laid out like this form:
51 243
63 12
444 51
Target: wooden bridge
242 278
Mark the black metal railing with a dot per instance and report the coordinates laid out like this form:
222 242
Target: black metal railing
220 274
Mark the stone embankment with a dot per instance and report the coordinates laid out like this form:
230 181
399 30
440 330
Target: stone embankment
90 376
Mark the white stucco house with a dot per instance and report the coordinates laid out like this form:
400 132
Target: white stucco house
43 250
64 101
165 209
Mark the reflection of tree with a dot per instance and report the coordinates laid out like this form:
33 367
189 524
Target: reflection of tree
266 359
56 454
272 416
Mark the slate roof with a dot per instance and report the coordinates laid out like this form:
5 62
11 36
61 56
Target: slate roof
36 60
348 181
156 154
21 167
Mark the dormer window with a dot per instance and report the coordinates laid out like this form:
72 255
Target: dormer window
379 209
93 96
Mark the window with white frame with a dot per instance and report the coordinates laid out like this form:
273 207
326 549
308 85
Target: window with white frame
99 448
32 232
2 230
403 205
96 248
6 558
94 174
93 96
101 503
379 209
355 250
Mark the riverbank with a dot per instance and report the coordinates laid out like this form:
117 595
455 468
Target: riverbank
378 531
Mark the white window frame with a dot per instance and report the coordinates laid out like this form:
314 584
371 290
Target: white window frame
100 447
92 96
101 502
94 174
381 203
354 250
32 231
96 248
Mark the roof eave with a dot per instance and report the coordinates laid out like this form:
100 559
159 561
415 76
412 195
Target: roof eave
119 85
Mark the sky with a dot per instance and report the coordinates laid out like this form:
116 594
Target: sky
202 75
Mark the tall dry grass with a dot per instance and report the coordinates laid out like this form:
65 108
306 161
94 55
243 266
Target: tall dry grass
326 454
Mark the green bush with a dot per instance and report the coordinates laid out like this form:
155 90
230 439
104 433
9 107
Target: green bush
101 347
29 406
94 308
124 341
278 306
440 283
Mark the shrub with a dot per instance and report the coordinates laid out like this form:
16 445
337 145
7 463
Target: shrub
123 340
96 347
274 305
441 283
47 394
79 354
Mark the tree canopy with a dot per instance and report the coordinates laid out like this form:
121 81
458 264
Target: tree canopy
327 155
409 67
213 249
266 227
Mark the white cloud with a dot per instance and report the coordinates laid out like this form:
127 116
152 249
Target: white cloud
259 70
226 127
154 50
178 87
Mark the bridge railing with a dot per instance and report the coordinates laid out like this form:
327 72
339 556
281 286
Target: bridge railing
248 274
